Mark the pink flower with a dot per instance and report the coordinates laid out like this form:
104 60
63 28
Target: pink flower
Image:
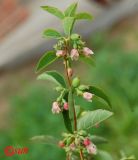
88 96
56 108
61 144
91 149
70 72
87 51
74 54
66 106
60 53
86 142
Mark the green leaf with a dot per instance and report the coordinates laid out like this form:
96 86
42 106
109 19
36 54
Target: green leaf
88 60
98 92
67 121
53 76
91 118
45 139
70 11
104 155
55 11
52 34
68 23
77 110
71 105
98 140
46 60
83 16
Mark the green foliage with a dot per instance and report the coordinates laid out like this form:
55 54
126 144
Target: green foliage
70 11
71 104
54 11
92 118
67 121
68 23
98 92
45 139
104 155
32 106
98 140
46 60
83 16
53 76
88 60
52 33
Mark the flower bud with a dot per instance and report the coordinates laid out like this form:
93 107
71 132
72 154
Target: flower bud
74 54
66 106
88 96
56 108
91 149
75 36
76 82
60 53
83 133
70 72
83 87
87 51
87 142
61 144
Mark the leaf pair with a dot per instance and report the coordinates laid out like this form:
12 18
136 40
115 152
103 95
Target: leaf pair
69 12
68 18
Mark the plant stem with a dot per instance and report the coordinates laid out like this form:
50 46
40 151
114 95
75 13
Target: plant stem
81 155
68 157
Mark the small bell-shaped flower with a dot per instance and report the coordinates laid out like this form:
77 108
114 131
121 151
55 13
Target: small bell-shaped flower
74 54
60 53
87 51
56 108
91 149
88 96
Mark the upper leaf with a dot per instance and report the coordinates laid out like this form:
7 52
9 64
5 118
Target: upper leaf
70 11
98 92
53 76
83 16
45 139
68 23
55 11
91 118
88 60
52 33
46 60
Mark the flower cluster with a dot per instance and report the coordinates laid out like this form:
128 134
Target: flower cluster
80 90
77 45
79 141
57 107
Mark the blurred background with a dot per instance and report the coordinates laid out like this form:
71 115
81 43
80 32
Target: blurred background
25 103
